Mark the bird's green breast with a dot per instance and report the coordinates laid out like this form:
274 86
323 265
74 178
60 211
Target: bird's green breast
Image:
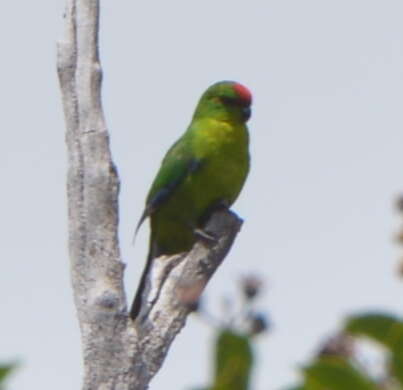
221 148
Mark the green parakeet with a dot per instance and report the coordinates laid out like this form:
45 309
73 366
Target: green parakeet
204 168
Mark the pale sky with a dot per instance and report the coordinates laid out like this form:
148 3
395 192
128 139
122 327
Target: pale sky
327 163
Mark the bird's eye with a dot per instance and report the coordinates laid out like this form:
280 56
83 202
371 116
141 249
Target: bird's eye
229 100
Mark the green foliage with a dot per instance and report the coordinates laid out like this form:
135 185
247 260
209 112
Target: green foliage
396 363
335 373
337 367
383 328
5 370
386 330
233 361
237 330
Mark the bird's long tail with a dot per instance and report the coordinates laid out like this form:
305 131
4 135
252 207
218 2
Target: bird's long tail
136 305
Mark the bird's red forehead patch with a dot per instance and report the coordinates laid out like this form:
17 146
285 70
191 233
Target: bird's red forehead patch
243 92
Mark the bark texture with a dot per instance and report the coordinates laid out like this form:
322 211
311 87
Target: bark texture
117 352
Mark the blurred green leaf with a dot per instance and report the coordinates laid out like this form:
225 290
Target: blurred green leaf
396 362
5 370
335 373
233 361
386 330
383 328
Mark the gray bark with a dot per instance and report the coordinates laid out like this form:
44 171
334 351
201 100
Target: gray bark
117 352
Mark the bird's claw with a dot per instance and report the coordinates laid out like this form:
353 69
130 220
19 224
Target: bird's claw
205 235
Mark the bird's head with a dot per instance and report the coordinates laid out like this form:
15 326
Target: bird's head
227 100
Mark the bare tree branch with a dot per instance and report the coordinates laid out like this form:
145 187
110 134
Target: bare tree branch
118 354
160 321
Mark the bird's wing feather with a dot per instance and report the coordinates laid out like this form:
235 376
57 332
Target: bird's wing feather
177 164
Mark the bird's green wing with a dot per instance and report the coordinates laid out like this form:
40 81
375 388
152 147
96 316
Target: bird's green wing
177 164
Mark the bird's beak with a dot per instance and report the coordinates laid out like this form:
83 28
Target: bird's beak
246 112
